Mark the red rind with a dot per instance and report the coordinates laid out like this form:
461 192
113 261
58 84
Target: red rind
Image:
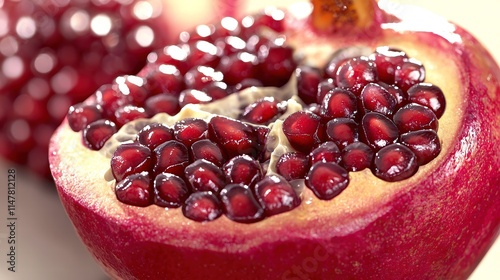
436 225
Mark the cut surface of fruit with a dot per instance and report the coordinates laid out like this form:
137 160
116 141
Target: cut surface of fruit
239 191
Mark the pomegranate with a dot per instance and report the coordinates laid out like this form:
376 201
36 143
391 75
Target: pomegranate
54 54
334 139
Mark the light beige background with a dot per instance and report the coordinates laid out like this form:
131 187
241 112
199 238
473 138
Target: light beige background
47 245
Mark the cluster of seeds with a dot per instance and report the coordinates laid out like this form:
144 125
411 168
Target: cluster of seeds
208 168
359 112
362 112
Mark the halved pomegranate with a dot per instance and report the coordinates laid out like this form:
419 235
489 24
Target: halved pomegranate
54 54
336 140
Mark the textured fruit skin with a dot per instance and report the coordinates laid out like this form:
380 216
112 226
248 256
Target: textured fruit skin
438 226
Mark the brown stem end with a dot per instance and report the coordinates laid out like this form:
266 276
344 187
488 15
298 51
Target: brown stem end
343 15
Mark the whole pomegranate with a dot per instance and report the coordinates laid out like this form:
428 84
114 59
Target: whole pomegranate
334 139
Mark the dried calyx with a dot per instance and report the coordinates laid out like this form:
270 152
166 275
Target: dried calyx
252 124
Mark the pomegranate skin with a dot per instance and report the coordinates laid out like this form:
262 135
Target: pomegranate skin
436 225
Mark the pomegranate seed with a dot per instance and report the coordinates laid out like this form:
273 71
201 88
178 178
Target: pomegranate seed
164 78
230 45
261 111
378 130
387 59
313 108
327 179
190 130
394 162
341 56
303 130
216 90
276 195
129 159
194 96
308 79
292 165
339 103
162 103
128 113
240 204
135 190
324 87
356 73
423 143
242 170
201 32
400 96
357 156
276 64
203 53
97 133
202 207
171 157
409 73
172 55
233 136
428 95
133 88
203 175
201 76
376 98
154 134
413 117
262 134
238 66
110 99
326 152
81 115
342 131
207 150
255 41
170 190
